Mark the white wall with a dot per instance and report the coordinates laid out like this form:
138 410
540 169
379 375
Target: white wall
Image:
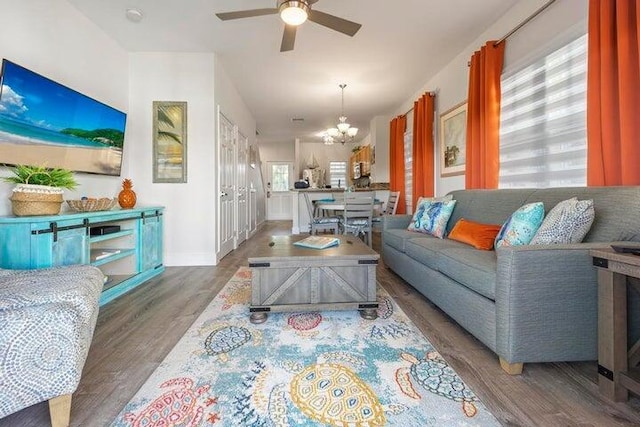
277 152
190 234
52 38
323 154
380 140
451 83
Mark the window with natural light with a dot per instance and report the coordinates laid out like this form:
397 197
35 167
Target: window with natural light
280 177
338 174
543 139
408 170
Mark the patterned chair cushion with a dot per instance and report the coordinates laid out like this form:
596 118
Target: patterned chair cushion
356 226
568 222
521 226
326 220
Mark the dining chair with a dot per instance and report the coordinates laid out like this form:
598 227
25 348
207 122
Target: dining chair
389 209
357 215
318 222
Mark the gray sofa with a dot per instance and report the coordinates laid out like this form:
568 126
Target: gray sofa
533 303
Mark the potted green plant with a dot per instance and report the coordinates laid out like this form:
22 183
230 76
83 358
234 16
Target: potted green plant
39 189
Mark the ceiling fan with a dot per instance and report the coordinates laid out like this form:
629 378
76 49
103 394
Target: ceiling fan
294 13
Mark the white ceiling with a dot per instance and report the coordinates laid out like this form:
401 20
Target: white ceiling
400 46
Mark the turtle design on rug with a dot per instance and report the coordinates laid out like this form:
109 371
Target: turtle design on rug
434 374
180 405
328 391
224 339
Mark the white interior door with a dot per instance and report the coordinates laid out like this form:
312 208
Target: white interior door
226 180
279 181
241 194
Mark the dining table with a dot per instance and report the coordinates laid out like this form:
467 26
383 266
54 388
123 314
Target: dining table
338 205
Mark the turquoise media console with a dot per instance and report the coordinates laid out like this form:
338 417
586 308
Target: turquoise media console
125 244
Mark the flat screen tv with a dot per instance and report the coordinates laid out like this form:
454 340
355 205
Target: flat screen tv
44 123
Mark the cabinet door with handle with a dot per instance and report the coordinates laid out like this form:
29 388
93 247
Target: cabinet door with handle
63 247
151 242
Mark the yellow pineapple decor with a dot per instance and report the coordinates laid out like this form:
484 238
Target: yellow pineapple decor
127 197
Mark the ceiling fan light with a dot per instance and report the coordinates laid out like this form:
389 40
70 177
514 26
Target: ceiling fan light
352 132
294 12
343 127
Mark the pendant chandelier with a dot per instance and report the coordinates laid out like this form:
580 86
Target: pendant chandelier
343 130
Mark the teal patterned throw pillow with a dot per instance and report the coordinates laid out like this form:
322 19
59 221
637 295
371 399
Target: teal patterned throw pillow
432 216
521 226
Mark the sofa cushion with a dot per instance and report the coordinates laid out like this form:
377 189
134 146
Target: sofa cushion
432 217
470 267
479 235
425 249
521 225
568 222
397 238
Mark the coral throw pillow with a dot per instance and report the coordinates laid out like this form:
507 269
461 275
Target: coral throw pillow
432 217
568 222
476 234
521 226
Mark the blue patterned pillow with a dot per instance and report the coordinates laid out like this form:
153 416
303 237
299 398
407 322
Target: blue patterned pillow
421 205
568 222
521 225
431 217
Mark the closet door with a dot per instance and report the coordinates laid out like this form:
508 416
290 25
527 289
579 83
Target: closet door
226 186
241 194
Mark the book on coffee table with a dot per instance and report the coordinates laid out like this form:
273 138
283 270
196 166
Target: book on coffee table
318 242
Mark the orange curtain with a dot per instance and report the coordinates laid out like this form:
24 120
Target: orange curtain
482 162
396 159
613 93
423 147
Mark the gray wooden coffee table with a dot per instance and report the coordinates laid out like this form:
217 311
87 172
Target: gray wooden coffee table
291 278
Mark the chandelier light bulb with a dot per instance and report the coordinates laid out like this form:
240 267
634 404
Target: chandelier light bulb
352 132
333 132
294 12
343 127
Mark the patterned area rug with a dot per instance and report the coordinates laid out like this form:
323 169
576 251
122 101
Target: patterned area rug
302 369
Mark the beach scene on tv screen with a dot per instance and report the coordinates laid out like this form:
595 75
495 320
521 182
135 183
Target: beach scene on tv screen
45 123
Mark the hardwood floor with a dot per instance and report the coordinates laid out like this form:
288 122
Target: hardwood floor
136 331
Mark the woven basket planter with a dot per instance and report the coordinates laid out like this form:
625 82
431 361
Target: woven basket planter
31 200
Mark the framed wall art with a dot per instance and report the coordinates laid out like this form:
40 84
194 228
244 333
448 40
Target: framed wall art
169 141
453 137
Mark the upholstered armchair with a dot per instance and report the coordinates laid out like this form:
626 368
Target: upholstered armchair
47 318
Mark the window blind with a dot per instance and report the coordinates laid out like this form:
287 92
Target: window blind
408 170
338 174
543 121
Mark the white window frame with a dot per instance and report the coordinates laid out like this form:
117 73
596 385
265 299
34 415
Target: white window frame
270 166
340 176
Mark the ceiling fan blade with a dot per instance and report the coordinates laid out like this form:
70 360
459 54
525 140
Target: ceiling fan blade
225 16
288 38
344 26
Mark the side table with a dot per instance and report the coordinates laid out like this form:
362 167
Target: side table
615 378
